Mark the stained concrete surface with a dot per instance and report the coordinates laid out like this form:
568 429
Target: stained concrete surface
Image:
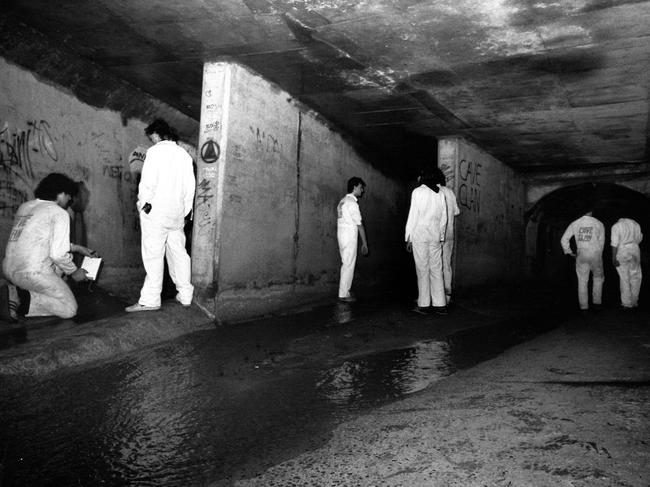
566 408
569 408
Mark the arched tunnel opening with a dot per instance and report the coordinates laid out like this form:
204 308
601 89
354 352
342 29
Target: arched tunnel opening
552 214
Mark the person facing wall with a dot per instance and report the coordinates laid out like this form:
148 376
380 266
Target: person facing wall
426 226
165 198
448 245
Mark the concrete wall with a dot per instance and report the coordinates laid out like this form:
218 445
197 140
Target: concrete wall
43 129
490 229
272 197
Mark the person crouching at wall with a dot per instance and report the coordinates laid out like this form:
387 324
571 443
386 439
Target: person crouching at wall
39 249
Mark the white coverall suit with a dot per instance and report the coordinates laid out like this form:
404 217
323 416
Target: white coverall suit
626 237
347 230
38 252
589 234
425 229
168 184
448 245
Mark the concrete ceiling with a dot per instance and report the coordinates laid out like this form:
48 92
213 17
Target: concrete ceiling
542 85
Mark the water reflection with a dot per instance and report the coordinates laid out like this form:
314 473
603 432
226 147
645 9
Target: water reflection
171 416
377 378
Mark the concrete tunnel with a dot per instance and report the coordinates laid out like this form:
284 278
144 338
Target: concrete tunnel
269 173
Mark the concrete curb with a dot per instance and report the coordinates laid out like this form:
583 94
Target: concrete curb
70 344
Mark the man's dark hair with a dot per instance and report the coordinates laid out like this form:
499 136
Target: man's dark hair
430 179
440 176
53 184
355 181
162 128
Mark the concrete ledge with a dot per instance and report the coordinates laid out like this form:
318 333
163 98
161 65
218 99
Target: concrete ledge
69 344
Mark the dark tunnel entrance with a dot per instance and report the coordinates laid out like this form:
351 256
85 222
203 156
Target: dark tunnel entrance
549 218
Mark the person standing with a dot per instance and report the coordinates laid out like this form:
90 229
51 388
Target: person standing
39 247
589 234
348 227
165 198
425 233
448 245
626 256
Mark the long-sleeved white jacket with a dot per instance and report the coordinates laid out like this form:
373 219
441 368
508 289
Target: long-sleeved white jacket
427 220
39 239
167 183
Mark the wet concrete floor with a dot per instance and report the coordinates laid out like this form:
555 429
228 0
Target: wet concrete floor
219 406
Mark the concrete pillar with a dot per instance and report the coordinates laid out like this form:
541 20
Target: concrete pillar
489 233
211 165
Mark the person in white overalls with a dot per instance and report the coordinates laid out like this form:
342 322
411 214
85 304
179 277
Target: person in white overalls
448 245
39 250
165 198
626 256
348 226
589 234
425 233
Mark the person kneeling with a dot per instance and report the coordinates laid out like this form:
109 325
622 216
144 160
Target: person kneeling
38 250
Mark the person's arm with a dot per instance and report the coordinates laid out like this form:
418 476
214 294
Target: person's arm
148 179
60 244
564 241
190 189
364 242
411 221
443 220
614 241
80 249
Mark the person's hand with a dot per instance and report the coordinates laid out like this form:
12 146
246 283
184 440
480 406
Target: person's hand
79 275
616 262
409 247
364 249
86 251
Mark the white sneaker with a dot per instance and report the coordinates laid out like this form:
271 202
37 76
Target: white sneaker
134 308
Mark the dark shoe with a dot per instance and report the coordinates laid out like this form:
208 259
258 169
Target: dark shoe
184 305
421 311
597 307
5 313
440 310
348 299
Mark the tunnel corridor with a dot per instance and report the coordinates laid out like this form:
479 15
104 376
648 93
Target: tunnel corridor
549 218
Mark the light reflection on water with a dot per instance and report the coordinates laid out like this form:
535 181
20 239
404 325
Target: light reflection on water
383 376
170 416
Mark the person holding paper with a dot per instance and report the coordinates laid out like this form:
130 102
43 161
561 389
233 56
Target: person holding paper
39 247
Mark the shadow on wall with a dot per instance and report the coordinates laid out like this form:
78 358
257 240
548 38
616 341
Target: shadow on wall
549 218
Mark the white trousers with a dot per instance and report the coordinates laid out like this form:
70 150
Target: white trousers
428 267
630 276
347 238
159 242
49 294
586 263
447 250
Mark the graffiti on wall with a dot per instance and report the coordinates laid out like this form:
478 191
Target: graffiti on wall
204 196
19 147
469 185
265 142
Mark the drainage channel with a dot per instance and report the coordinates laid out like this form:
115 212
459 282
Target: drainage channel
171 416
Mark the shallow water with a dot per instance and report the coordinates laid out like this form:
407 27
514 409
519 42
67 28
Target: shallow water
171 416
